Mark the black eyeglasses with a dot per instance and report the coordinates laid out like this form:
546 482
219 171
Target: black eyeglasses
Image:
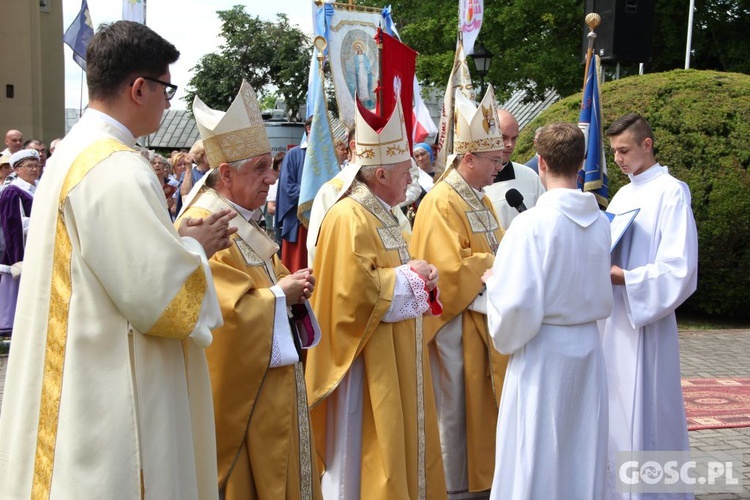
169 89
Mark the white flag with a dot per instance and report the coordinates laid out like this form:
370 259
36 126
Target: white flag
470 14
423 124
134 10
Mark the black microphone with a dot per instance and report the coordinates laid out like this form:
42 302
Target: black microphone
515 200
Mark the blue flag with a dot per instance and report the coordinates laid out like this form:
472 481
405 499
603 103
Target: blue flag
321 164
79 34
593 177
321 27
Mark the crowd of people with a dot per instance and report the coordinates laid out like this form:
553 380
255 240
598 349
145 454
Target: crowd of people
421 337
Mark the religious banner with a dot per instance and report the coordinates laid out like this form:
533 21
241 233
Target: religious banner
134 10
397 79
321 163
79 34
593 176
354 60
460 78
423 125
470 15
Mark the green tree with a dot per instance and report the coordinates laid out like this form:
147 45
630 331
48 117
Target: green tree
537 44
273 57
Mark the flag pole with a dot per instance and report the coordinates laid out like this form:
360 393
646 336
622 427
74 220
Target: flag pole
80 97
379 87
320 44
592 21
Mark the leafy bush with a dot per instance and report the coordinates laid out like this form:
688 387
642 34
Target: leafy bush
701 124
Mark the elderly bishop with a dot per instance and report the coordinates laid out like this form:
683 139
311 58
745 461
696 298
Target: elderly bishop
369 385
263 440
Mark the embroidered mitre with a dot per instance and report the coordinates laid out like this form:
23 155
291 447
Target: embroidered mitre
236 135
476 129
381 141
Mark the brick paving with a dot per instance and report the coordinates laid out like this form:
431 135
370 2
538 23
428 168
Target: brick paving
713 354
704 353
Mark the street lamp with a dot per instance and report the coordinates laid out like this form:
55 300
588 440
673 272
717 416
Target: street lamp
482 59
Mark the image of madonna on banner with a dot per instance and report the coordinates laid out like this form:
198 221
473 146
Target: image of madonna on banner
354 61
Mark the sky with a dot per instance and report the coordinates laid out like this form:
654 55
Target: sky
191 25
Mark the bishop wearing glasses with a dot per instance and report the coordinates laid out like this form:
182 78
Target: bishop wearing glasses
457 229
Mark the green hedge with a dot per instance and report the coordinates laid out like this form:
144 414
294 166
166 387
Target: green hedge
701 124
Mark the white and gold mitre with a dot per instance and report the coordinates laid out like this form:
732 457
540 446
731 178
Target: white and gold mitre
476 129
236 135
379 140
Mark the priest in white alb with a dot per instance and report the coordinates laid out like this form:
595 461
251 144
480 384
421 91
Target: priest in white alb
107 392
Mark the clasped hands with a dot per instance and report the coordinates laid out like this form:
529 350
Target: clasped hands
427 272
298 286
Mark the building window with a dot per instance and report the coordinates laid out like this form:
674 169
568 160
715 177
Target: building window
44 5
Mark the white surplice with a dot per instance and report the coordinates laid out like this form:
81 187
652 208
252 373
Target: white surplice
550 285
527 183
132 305
659 254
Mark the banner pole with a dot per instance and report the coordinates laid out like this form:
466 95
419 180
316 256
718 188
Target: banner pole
592 21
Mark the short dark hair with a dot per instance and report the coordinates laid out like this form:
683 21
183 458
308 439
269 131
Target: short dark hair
563 148
124 50
633 122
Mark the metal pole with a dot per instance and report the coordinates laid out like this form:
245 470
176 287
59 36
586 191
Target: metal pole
689 44
592 21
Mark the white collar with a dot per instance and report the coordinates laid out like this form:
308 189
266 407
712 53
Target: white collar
650 173
242 211
120 131
18 182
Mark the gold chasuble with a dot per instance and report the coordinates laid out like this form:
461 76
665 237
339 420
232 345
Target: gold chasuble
459 234
359 247
263 440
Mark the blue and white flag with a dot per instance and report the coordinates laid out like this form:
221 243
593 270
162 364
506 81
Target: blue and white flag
321 164
593 176
79 34
321 19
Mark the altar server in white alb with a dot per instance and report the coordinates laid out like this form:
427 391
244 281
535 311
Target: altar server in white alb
107 392
654 270
548 287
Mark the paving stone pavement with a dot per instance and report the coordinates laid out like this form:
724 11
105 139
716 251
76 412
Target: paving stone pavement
712 354
703 353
